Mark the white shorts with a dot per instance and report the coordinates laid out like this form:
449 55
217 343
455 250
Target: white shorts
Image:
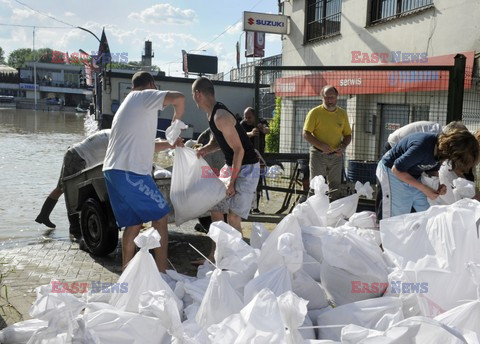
245 191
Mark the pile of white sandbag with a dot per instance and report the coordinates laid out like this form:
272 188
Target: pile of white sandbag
319 277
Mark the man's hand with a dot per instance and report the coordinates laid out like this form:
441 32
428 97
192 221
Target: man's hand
430 193
231 188
326 149
340 150
442 189
255 132
178 143
201 152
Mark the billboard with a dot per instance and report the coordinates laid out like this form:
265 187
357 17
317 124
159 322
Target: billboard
200 64
263 22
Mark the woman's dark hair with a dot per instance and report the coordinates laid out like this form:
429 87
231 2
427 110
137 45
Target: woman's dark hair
460 147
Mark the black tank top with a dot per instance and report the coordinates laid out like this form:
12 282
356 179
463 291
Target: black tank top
249 157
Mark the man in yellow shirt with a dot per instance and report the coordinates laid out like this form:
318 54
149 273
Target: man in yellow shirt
327 129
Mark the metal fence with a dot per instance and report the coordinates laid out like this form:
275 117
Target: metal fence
378 100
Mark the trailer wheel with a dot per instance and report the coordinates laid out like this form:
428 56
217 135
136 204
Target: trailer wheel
99 237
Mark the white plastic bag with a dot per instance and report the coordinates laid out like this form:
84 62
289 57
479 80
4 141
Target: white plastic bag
259 235
433 247
141 275
195 188
378 314
173 131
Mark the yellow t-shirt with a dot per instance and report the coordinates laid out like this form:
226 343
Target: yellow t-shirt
328 127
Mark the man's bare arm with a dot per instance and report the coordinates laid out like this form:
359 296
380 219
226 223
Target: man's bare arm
176 99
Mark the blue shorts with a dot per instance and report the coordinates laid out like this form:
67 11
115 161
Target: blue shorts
135 198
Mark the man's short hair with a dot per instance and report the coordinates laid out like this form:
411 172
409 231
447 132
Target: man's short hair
141 79
204 86
327 87
250 109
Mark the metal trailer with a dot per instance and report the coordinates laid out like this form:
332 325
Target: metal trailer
86 198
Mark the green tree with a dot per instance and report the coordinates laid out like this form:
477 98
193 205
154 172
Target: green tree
2 56
44 55
272 140
18 57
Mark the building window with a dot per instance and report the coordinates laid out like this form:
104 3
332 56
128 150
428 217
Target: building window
323 18
388 9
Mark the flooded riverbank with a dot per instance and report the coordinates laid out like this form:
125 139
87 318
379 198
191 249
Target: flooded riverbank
32 145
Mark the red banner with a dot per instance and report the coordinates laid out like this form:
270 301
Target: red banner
375 82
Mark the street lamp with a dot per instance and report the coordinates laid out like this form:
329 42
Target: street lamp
97 96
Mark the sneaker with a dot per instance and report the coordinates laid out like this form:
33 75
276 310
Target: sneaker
256 211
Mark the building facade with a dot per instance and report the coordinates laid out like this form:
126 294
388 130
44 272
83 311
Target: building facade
376 33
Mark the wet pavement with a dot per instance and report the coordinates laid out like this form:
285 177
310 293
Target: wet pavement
24 268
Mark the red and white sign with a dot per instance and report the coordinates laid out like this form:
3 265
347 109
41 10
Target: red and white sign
375 82
255 44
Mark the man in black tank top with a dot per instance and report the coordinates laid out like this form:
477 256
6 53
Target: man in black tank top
241 160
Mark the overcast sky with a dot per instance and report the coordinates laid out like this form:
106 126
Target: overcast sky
171 26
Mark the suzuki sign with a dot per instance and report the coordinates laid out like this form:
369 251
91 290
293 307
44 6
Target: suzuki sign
262 22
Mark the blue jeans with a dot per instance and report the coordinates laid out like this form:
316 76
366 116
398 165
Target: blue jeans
398 197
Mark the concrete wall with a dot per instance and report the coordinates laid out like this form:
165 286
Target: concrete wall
449 27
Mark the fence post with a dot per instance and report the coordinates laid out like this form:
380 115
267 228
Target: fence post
256 139
456 87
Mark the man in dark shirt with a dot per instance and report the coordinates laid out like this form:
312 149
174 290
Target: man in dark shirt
241 160
254 130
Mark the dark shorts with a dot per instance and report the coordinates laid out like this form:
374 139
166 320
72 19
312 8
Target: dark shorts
72 163
135 198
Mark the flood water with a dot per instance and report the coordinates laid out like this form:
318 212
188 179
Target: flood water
32 145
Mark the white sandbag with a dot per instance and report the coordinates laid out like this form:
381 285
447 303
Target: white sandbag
311 266
162 305
141 275
434 247
220 301
194 189
270 257
260 321
293 310
196 289
21 332
232 252
277 280
119 327
341 210
307 288
464 318
313 212
463 188
259 235
412 330
378 314
361 262
174 130
364 219
364 190
162 173
312 242
274 171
